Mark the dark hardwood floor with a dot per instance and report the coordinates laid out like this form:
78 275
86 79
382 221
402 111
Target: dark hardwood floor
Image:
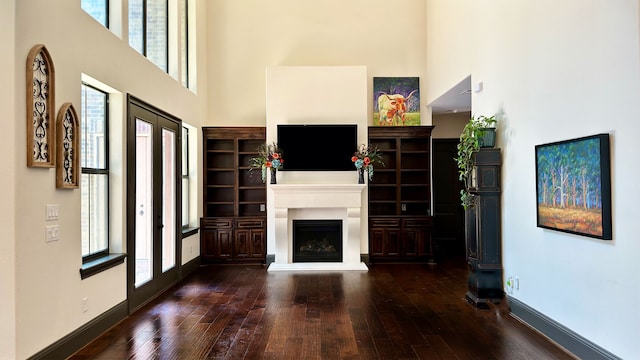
389 312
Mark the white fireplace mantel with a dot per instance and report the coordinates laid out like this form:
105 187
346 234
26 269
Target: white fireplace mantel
338 201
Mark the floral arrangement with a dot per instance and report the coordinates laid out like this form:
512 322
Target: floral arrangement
270 157
365 157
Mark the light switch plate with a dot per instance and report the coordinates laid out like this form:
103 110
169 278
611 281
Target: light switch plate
52 212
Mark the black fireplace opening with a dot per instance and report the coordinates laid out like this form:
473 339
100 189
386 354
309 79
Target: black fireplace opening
317 241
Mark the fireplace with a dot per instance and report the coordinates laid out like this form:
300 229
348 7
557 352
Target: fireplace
317 241
317 202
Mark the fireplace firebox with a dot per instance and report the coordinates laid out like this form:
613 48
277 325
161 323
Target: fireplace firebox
317 241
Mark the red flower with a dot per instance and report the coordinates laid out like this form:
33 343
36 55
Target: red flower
354 159
367 160
268 164
276 155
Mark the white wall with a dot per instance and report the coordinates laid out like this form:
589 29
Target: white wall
9 103
49 289
449 45
449 126
245 36
298 95
557 70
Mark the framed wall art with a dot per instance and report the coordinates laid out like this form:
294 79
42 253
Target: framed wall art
573 186
40 108
396 101
67 148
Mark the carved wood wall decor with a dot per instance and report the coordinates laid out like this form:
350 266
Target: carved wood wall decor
67 148
40 108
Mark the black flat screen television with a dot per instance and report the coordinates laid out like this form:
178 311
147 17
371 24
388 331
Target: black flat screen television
317 147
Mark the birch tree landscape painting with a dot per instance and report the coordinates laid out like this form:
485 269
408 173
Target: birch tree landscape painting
574 187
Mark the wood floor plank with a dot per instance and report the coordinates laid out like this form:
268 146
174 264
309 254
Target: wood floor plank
392 311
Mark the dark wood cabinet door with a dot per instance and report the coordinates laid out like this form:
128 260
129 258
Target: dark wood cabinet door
216 244
208 243
242 244
223 244
376 241
410 241
392 242
250 244
258 243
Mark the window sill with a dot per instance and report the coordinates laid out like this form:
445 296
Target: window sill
99 265
188 231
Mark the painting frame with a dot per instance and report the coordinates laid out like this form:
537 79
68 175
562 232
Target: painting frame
396 101
573 186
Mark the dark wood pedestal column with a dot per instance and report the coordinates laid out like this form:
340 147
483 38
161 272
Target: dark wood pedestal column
483 231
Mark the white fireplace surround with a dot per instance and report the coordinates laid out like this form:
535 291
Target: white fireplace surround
318 202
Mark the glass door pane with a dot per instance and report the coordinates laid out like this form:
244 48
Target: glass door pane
144 203
168 199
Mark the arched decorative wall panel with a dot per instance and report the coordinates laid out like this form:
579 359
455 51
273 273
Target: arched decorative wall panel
68 148
40 108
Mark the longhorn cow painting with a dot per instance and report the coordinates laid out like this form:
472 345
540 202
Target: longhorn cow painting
573 186
396 101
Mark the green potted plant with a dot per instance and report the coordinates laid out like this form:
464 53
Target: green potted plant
478 132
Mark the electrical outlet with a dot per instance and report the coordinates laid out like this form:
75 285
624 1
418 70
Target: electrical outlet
85 304
509 285
403 207
517 283
263 208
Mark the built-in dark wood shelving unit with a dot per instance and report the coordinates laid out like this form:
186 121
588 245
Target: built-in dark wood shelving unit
234 214
400 219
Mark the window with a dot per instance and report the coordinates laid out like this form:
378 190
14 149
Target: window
95 173
184 43
98 9
148 30
185 177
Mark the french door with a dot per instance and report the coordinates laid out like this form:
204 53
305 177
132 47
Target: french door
153 203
